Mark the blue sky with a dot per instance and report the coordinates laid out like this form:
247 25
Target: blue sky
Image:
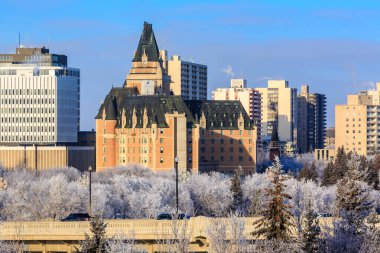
334 46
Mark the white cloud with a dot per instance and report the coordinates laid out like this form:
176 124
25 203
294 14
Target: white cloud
369 84
229 71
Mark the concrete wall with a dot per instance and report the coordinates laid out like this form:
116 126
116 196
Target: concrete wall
46 157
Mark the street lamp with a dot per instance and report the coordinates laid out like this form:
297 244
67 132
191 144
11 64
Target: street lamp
89 190
176 159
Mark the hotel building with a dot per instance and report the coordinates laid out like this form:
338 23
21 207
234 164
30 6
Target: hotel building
152 128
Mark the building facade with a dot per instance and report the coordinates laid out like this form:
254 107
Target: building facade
279 106
39 98
250 98
153 130
358 123
47 157
39 112
311 119
324 154
330 137
187 79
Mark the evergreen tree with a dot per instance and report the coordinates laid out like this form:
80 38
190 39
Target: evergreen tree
340 165
277 220
309 173
236 190
99 242
373 173
310 233
352 197
328 175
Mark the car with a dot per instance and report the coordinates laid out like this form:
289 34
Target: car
169 216
324 215
77 217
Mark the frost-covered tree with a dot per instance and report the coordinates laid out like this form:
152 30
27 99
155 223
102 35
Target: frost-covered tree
227 235
352 207
309 173
277 220
310 232
122 243
373 173
210 193
12 247
371 242
353 203
237 192
98 241
175 239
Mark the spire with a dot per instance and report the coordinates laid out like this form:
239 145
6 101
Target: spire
147 45
274 133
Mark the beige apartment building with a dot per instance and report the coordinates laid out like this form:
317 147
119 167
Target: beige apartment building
279 106
187 79
358 122
250 98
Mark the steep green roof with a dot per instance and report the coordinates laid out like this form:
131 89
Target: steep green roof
156 106
220 114
147 45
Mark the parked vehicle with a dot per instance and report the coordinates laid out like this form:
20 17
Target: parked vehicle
169 216
77 217
324 215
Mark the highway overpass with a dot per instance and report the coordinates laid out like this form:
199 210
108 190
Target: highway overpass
152 235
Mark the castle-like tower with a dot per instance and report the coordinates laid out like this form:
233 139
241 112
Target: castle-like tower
148 73
274 144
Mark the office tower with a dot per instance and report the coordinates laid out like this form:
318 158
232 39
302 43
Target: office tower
250 98
39 112
279 106
39 98
311 120
358 123
187 79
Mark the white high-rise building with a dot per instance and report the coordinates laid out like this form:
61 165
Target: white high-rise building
187 79
279 106
39 98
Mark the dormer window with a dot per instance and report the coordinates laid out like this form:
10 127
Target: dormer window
144 62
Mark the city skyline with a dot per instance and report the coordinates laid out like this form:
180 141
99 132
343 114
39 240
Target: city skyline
338 44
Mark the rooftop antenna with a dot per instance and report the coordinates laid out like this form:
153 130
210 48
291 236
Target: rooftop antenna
241 71
19 39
